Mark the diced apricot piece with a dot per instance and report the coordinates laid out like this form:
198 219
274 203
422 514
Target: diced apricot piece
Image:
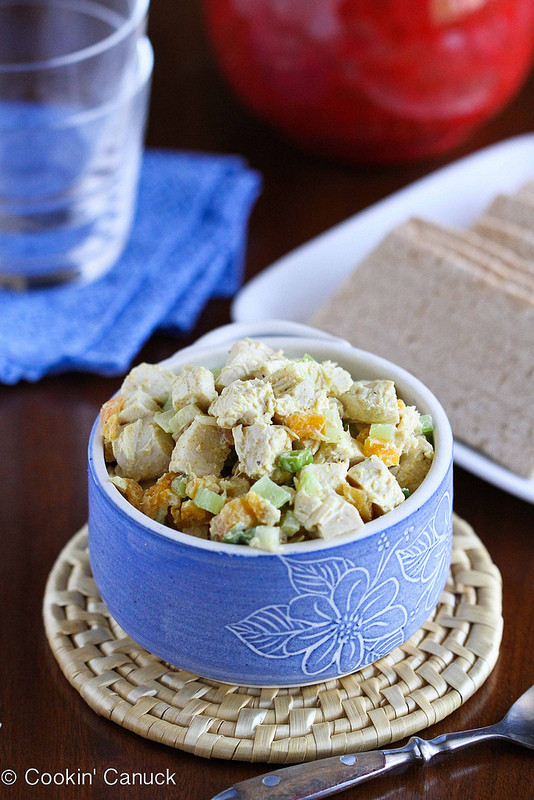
158 498
306 425
190 513
261 508
131 491
359 499
362 436
236 512
109 417
383 449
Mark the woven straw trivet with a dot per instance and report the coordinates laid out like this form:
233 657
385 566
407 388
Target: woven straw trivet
418 684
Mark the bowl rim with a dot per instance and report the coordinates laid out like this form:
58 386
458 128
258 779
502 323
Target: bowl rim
338 349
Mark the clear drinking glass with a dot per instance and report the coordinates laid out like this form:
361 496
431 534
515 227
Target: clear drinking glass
74 90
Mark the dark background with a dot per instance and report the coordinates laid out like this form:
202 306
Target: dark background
43 435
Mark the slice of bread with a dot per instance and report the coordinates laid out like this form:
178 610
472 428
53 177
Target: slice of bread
526 192
463 330
495 257
514 237
514 209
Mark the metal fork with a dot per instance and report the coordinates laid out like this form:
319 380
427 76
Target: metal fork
317 779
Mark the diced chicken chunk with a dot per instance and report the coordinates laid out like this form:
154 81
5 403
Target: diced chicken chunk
326 375
345 449
258 446
414 464
371 401
235 486
205 482
244 358
327 518
200 450
330 477
336 517
305 505
270 368
142 450
151 378
310 444
337 380
405 437
193 385
285 378
302 397
378 482
137 405
243 402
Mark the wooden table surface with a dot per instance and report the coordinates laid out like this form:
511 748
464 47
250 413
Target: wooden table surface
43 435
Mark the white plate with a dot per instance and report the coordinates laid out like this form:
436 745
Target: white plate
298 283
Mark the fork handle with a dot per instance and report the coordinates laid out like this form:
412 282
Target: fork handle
316 779
321 778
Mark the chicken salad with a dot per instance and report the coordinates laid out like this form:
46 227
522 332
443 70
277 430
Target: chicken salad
264 451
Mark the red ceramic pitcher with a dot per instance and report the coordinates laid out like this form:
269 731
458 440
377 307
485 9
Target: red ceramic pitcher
381 80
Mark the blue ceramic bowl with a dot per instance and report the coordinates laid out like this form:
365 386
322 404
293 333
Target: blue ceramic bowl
317 610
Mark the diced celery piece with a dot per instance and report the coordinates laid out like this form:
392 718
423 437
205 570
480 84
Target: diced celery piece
307 357
167 405
161 515
269 490
333 427
266 537
308 482
382 430
238 535
290 524
174 422
426 424
216 371
163 419
208 500
205 419
294 460
178 486
183 417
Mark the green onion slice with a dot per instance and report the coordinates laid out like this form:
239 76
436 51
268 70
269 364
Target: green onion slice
238 535
294 460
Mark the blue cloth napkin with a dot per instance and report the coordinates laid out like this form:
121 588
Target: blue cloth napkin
187 245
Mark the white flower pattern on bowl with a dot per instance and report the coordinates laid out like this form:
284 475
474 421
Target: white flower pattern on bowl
340 615
424 559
